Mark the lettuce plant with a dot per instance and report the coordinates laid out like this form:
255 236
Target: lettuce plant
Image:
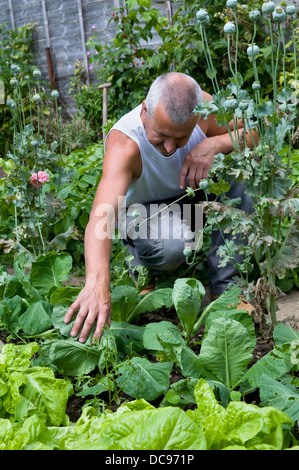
26 390
138 425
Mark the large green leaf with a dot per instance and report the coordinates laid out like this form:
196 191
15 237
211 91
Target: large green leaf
36 319
187 294
152 301
49 270
245 425
127 304
69 357
28 390
229 299
123 425
154 331
274 393
225 351
123 300
141 378
165 429
10 312
46 393
128 337
284 334
240 425
65 295
274 364
234 314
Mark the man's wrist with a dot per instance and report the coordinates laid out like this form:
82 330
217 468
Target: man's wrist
96 279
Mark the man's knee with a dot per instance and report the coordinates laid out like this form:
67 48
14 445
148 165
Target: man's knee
161 255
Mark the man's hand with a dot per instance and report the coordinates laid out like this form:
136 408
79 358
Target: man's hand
94 306
198 163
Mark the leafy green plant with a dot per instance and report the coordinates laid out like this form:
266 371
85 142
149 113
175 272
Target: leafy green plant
129 62
25 307
226 349
186 295
225 354
62 208
33 307
28 390
127 303
89 100
16 48
263 244
138 425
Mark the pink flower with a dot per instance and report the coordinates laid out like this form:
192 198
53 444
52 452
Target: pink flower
39 180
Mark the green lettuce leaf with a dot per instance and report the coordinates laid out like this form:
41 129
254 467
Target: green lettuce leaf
226 351
165 429
27 390
36 319
240 425
69 357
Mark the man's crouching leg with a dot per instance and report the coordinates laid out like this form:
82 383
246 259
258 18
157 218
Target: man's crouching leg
157 237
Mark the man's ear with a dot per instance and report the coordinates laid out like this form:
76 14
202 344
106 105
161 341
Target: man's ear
144 108
143 113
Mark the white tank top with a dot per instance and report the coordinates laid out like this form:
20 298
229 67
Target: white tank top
159 179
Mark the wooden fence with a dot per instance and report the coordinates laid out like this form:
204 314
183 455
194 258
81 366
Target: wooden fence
62 28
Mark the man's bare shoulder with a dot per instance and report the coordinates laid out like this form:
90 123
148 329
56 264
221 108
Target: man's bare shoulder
123 152
117 139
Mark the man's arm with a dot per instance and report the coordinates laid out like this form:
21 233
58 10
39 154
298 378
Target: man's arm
94 301
199 161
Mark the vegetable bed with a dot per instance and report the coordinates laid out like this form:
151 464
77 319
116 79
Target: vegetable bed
213 379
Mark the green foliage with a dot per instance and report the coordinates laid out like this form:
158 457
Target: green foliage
140 426
145 45
33 307
89 100
186 296
62 209
128 304
217 375
266 239
28 391
15 48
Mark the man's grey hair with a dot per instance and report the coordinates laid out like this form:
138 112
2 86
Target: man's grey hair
177 93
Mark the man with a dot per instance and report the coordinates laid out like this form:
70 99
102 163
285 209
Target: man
152 154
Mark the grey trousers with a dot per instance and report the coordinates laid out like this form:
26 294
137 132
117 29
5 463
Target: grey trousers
158 241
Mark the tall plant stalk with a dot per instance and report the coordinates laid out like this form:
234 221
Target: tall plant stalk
31 158
270 125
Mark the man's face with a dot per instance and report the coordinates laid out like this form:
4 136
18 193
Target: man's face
163 134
